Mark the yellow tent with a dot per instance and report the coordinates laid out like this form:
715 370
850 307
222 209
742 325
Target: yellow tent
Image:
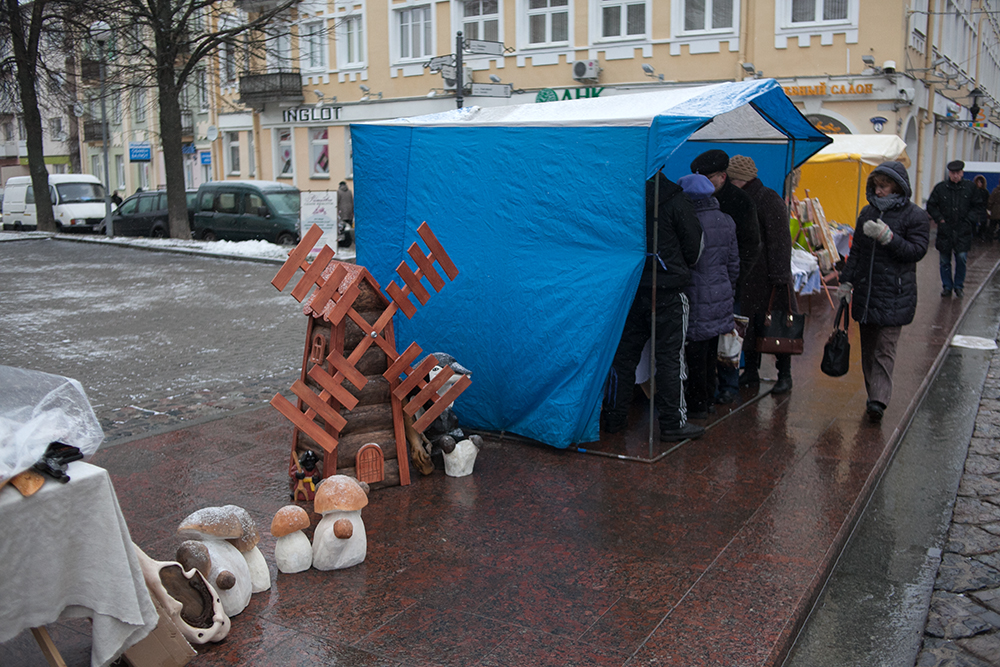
837 174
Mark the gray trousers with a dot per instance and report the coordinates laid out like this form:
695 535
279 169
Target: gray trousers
878 356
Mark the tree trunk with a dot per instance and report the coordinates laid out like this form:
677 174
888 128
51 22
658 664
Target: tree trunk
25 43
173 156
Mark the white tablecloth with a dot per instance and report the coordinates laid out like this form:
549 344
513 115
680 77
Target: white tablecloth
66 551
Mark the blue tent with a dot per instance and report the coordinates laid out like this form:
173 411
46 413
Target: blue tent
541 207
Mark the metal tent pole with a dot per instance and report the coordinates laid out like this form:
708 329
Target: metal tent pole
652 317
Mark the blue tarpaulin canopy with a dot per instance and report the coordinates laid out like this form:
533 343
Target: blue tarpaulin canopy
541 207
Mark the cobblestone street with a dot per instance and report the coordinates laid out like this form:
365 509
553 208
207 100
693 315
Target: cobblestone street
963 623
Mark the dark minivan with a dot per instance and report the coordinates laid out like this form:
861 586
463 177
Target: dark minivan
247 210
145 214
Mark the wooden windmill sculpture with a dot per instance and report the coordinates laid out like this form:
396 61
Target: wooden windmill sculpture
351 393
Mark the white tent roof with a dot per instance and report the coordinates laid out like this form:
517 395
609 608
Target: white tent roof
869 148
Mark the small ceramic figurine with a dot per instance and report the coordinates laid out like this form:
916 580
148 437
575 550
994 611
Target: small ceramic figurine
292 551
306 476
340 540
461 457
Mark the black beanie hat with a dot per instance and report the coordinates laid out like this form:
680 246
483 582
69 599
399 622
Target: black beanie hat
710 162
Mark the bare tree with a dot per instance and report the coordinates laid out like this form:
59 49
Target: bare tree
163 44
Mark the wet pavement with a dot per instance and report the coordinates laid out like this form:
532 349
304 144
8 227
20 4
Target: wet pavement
712 555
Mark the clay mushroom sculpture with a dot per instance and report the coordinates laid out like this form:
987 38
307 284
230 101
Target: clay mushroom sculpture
190 602
227 569
260 575
292 551
339 541
460 458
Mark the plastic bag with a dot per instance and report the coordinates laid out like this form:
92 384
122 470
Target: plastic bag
38 408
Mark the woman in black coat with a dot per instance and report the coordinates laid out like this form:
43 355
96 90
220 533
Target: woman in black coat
882 273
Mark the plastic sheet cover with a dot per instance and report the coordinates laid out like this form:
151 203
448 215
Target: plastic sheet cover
541 207
38 408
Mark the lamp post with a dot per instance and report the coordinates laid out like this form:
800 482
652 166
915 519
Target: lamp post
100 32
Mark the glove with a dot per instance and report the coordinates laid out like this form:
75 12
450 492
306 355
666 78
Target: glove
844 291
878 230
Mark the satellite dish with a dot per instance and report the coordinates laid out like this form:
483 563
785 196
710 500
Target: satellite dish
213 133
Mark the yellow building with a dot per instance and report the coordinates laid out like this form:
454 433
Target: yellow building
850 65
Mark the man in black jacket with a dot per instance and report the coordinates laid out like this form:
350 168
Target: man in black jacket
955 208
677 249
740 207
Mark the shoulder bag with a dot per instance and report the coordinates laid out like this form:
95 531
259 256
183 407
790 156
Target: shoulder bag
837 351
780 331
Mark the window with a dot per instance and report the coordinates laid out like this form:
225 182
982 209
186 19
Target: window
202 86
319 151
348 153
814 11
147 203
251 158
55 129
139 101
285 167
95 166
623 19
353 41
279 48
144 175
120 171
481 20
233 152
116 108
548 21
708 14
313 45
415 38
8 131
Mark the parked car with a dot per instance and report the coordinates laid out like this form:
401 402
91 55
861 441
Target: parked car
247 210
145 214
77 202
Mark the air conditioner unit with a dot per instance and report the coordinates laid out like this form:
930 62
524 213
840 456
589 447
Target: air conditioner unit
586 70
448 74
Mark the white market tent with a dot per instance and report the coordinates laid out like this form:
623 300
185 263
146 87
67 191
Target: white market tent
542 208
837 174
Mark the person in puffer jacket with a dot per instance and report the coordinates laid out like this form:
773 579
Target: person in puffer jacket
710 293
880 277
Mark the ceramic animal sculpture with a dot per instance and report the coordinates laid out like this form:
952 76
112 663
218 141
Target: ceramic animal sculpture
444 433
340 540
189 600
292 550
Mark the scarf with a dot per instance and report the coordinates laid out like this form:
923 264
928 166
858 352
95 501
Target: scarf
885 203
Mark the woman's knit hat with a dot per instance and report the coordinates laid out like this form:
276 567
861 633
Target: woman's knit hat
696 186
742 168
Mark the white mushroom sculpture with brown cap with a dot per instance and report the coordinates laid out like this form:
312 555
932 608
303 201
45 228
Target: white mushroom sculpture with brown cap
222 545
292 551
339 541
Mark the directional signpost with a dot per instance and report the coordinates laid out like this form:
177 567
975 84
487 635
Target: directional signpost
481 47
491 89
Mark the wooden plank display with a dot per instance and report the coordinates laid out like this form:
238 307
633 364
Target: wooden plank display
353 384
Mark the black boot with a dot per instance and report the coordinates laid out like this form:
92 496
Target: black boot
751 373
784 383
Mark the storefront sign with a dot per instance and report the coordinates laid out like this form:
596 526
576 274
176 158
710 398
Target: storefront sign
827 125
139 151
311 114
550 95
832 89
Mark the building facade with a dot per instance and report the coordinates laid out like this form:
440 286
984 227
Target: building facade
850 66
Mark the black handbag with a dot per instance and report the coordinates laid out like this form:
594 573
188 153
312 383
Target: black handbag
837 351
780 331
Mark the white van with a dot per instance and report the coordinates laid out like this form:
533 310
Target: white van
77 202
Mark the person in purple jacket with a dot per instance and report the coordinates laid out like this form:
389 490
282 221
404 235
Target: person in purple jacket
710 293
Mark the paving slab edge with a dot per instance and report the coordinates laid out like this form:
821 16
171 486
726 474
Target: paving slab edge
814 591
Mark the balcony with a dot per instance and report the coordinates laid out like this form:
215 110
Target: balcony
92 131
90 70
256 89
254 6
